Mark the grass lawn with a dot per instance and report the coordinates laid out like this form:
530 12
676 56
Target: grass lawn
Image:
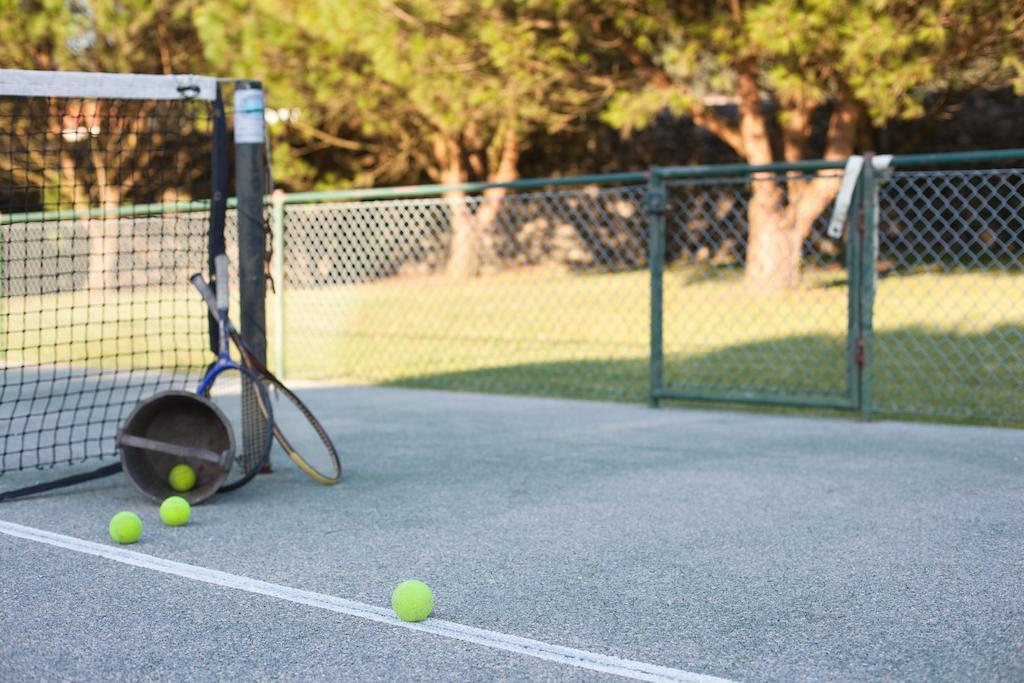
135 328
538 332
946 345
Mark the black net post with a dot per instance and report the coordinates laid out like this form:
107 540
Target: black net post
221 187
249 176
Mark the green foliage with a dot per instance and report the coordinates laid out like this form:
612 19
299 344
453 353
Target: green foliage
392 77
628 110
38 34
377 84
889 54
141 36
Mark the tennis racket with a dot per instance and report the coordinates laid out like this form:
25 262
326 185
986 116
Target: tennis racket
238 392
308 444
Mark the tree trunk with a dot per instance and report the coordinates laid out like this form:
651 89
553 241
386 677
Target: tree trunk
780 221
507 171
104 231
463 253
773 261
472 234
101 265
103 238
773 247
808 198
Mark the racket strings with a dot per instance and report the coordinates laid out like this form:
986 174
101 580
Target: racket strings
255 427
301 435
243 400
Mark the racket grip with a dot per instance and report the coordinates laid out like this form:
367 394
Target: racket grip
204 289
221 266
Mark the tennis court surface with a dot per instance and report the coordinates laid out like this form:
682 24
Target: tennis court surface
564 540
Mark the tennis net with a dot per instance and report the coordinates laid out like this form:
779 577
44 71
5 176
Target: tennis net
105 187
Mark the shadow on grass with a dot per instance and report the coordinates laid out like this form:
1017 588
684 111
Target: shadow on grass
918 374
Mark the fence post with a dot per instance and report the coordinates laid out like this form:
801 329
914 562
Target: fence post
854 256
656 202
278 275
868 276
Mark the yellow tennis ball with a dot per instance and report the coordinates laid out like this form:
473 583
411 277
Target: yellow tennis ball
412 600
182 478
175 511
125 527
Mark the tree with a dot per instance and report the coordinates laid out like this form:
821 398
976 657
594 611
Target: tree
867 61
451 89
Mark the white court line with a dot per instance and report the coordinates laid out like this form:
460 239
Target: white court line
592 661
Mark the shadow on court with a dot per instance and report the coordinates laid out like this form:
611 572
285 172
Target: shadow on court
978 387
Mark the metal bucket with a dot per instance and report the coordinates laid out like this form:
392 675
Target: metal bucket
173 428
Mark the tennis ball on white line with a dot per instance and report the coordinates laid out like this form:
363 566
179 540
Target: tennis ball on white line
175 511
182 478
125 527
412 600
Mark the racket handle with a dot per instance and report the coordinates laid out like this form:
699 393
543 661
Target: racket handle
204 289
220 263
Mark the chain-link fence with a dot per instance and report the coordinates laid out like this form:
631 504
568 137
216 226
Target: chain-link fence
755 303
949 305
538 292
716 283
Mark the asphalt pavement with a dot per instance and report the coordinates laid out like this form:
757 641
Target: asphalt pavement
740 545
